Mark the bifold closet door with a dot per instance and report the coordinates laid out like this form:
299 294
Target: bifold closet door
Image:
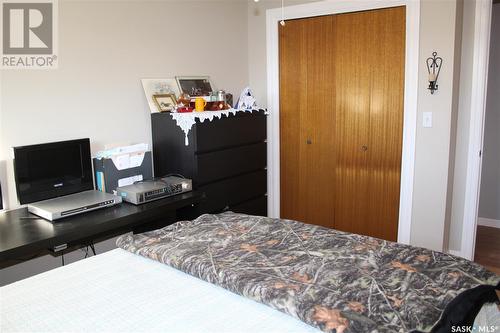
306 119
341 119
386 122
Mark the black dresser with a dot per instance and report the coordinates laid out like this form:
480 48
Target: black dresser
226 159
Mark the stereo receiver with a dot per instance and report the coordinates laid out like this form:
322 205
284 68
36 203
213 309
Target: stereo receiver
150 190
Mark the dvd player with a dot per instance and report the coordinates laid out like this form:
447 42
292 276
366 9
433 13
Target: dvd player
68 205
151 190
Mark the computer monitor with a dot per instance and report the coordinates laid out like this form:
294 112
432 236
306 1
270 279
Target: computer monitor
50 170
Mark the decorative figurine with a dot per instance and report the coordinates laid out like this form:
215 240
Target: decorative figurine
246 101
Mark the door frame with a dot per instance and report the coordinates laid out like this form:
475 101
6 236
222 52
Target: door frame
410 95
481 55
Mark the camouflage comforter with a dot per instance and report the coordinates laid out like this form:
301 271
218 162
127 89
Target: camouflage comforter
335 281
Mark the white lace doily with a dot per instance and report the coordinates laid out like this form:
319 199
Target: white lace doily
186 120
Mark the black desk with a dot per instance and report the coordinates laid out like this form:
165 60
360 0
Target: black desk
21 237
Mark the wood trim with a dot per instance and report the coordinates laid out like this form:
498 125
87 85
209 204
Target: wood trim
476 128
410 95
492 223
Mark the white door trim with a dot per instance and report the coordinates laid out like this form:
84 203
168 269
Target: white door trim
482 29
485 222
410 95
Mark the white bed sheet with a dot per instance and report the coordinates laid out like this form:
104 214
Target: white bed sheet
121 292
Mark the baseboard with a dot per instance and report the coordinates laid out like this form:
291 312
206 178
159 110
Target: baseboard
488 222
455 253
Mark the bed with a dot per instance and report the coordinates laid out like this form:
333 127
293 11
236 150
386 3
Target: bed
118 291
294 278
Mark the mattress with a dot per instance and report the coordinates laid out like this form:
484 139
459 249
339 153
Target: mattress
333 280
121 292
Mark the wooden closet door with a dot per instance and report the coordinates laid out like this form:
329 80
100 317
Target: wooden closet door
386 122
341 112
370 63
352 61
306 120
293 100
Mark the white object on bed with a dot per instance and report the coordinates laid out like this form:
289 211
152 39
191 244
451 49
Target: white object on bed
121 292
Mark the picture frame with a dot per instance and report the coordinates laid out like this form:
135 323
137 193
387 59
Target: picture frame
158 86
195 86
165 102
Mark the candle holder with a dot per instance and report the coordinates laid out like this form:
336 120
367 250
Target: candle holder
434 67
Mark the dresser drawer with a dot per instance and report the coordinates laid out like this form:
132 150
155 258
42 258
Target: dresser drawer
256 206
227 163
226 193
235 130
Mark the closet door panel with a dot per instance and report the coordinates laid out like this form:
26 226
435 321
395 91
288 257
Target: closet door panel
352 63
320 121
307 83
341 117
386 122
293 103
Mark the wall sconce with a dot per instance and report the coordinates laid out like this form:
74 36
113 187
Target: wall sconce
434 67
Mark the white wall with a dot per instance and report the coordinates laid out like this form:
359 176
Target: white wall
489 203
106 47
3 174
437 33
454 122
463 123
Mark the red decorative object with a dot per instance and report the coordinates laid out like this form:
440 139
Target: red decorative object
185 109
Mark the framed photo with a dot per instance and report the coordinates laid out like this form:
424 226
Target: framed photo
194 85
165 102
158 87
